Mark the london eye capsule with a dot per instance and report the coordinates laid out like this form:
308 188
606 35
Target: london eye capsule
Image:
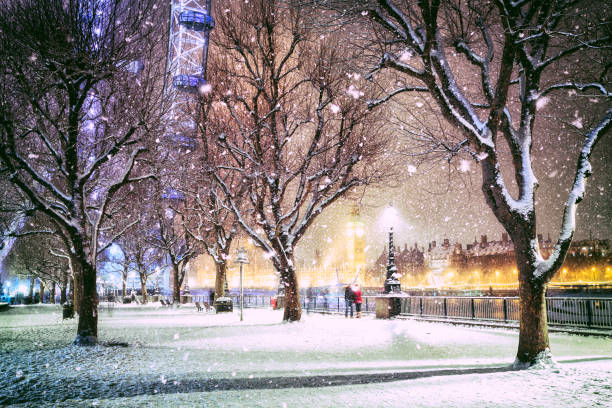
196 21
188 83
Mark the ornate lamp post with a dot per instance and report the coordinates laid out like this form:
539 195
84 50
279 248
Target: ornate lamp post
242 258
388 304
392 283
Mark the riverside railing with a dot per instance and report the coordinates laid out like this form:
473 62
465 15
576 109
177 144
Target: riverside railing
565 311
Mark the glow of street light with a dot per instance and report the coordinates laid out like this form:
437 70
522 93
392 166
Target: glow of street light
389 217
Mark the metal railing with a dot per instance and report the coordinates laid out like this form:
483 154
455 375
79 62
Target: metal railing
561 311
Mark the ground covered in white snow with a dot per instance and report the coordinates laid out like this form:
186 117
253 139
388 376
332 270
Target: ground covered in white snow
179 357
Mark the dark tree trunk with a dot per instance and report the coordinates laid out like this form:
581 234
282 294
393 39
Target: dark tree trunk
87 330
176 285
143 287
293 309
31 292
52 293
78 288
124 277
220 279
41 290
533 336
63 287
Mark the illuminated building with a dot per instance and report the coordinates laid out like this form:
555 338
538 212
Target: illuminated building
486 263
355 245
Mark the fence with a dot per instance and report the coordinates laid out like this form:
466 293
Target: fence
563 311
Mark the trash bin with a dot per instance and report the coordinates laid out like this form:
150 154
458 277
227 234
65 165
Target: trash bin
68 311
224 304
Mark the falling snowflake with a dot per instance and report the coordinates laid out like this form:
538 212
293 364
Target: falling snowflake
205 88
464 166
355 93
334 108
542 102
411 169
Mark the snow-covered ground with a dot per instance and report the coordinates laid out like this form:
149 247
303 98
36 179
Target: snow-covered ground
179 357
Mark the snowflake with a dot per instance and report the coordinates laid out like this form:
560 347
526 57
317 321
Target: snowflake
542 102
464 166
205 88
355 93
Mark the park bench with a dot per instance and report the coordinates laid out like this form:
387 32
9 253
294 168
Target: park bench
165 302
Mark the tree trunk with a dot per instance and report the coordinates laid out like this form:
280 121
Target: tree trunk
87 330
52 293
124 277
31 292
63 287
143 287
41 290
176 285
77 288
533 336
220 279
293 309
63 294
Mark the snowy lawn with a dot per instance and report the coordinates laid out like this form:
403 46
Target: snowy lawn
179 357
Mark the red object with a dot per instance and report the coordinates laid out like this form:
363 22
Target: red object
273 302
357 293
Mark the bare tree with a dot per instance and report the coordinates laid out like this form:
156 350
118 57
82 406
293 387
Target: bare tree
491 68
296 131
210 221
139 254
35 255
207 213
14 210
73 112
168 235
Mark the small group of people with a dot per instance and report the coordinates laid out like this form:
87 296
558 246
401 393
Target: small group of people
352 296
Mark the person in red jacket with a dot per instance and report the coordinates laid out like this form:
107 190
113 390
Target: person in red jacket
357 299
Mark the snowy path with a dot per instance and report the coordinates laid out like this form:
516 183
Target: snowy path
184 358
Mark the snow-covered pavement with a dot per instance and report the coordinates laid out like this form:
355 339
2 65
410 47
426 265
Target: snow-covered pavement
179 357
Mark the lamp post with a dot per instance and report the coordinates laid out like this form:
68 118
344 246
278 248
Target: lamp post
392 283
242 258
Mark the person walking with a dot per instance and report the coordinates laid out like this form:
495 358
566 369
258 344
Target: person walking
349 298
357 299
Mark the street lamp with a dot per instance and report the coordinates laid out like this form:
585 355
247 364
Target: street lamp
242 258
392 283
